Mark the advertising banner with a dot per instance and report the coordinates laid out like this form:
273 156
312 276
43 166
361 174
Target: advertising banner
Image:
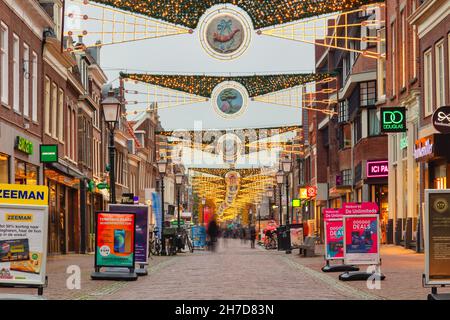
199 236
296 235
437 237
115 239
156 206
142 220
361 240
334 214
352 208
23 234
334 239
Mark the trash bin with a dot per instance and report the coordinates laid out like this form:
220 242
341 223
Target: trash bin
284 238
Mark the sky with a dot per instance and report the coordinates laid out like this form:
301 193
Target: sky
184 54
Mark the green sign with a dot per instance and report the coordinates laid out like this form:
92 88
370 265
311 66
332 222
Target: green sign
296 203
404 142
24 145
49 153
175 222
393 119
102 186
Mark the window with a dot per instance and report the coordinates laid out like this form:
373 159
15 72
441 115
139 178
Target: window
61 116
34 107
16 73
26 173
47 106
26 80
346 177
367 93
381 64
4 168
4 65
440 74
345 137
374 122
357 129
69 129
54 112
403 22
393 62
73 121
428 82
343 111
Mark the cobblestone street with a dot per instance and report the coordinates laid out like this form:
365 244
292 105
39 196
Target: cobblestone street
237 272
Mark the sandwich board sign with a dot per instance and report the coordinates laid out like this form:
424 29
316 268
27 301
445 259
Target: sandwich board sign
23 235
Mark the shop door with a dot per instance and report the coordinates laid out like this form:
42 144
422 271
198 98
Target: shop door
62 219
53 219
72 223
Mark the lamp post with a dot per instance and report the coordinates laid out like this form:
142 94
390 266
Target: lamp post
162 167
280 178
111 112
178 180
269 194
287 166
203 210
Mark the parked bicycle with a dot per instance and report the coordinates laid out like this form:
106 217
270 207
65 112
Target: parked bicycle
154 243
270 240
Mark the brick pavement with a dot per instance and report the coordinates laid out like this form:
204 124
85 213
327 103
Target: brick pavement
237 272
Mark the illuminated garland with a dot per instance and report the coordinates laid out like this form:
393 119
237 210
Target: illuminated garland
182 133
203 86
263 13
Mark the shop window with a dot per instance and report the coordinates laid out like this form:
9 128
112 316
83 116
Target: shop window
368 93
374 122
4 168
440 177
26 173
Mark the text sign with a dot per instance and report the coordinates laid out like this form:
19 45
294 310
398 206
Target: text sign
361 240
441 119
48 153
377 169
437 237
424 148
23 194
351 208
24 145
393 119
334 239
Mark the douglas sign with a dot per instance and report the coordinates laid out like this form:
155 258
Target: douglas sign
441 119
393 119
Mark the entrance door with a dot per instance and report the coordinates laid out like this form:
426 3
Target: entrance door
57 223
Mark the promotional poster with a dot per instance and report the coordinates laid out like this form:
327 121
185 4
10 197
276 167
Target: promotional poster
361 240
198 236
156 206
115 239
334 239
296 236
142 217
437 237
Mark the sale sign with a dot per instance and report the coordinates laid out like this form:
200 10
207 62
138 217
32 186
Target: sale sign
115 239
334 239
361 239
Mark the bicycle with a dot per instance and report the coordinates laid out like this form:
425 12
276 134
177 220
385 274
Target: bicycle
154 244
270 242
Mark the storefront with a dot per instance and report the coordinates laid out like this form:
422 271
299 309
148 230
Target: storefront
64 219
4 168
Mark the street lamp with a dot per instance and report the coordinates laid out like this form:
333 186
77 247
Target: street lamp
111 112
203 210
286 164
269 194
179 180
280 178
162 167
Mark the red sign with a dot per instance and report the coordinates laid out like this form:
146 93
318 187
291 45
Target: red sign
311 192
360 208
331 214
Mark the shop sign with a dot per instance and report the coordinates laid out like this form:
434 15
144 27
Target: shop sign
48 153
115 239
437 237
361 240
24 145
141 233
329 213
23 234
175 223
303 193
339 180
296 203
423 148
441 119
102 186
352 208
377 169
404 142
308 192
393 119
127 198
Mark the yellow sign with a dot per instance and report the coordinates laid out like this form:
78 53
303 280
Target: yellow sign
17 217
21 194
303 193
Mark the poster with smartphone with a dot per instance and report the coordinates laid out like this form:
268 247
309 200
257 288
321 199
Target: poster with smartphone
115 239
23 234
361 240
142 220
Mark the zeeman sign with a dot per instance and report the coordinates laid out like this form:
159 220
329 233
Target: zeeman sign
23 194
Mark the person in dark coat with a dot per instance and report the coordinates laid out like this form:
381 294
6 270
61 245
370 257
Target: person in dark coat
213 231
252 236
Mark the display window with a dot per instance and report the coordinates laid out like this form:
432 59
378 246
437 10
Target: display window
4 168
26 173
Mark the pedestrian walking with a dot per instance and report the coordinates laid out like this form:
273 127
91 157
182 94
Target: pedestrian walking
252 236
213 231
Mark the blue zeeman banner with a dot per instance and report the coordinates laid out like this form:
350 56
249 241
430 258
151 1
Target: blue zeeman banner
199 236
156 205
